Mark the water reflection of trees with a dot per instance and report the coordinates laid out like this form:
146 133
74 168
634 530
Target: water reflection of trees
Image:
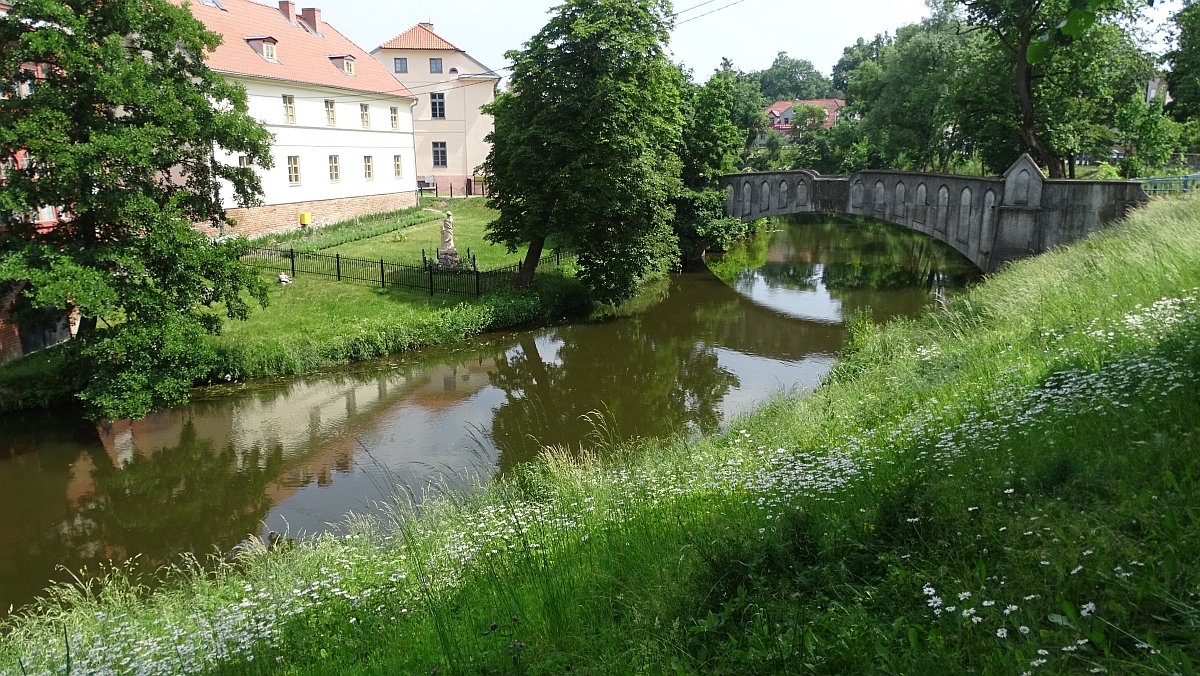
849 254
189 498
643 383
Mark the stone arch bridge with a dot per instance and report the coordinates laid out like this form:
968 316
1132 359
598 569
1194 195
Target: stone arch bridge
989 220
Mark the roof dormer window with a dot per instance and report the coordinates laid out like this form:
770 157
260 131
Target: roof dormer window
344 63
264 46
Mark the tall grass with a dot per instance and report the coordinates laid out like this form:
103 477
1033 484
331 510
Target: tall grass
1005 485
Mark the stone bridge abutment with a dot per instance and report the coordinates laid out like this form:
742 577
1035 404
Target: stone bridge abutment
991 221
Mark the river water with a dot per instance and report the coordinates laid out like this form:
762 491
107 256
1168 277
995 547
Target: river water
294 456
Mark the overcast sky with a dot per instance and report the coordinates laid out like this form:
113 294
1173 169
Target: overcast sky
748 31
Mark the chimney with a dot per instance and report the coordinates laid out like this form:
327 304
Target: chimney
312 17
288 9
426 25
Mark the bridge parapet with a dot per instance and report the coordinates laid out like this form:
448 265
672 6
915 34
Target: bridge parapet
989 220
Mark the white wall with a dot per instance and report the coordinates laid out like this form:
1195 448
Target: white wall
313 141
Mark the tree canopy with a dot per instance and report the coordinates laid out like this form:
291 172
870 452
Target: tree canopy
119 128
584 150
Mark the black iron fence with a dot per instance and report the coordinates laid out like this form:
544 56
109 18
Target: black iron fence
466 279
474 186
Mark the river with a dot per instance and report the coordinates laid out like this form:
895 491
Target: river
294 456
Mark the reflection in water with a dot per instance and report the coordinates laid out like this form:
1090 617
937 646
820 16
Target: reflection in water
295 455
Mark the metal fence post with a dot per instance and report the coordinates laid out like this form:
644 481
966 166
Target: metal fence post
337 258
293 257
430 268
476 268
382 275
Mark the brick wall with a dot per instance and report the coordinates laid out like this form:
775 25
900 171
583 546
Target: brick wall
277 218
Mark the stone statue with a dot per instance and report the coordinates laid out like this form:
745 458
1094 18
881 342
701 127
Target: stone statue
448 232
447 255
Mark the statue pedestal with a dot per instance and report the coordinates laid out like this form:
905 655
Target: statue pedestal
448 258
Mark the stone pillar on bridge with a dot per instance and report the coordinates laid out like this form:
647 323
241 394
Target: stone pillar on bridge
1019 223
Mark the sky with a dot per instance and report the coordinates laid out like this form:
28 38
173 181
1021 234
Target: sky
750 32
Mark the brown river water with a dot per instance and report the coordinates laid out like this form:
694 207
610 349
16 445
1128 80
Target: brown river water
294 456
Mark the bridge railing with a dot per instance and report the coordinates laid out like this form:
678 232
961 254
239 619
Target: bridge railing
1171 185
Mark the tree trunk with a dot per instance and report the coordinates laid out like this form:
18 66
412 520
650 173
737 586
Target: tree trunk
1023 77
525 276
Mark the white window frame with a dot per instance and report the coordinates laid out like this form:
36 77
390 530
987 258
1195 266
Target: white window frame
293 165
368 168
335 168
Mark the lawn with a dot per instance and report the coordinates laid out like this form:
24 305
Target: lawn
471 217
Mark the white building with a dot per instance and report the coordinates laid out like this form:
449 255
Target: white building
343 126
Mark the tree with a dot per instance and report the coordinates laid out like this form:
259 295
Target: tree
1030 34
1184 78
710 146
748 104
853 58
584 147
121 127
789 78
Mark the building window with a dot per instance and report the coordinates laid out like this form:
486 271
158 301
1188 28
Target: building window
439 154
269 51
395 117
294 169
364 114
435 65
368 168
330 113
244 161
397 166
289 109
400 65
437 106
348 66
335 169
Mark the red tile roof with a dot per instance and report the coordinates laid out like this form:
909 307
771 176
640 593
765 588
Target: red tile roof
304 56
778 107
420 36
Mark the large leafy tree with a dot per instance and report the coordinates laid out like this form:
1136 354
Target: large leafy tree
1184 78
791 78
1032 34
119 129
584 148
710 147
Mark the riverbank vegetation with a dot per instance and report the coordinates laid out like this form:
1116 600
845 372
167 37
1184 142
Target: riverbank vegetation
1006 484
315 323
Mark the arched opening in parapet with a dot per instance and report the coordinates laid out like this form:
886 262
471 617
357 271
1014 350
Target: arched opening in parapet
747 196
943 206
963 230
898 210
764 200
783 195
801 193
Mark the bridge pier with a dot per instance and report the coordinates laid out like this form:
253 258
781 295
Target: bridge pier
990 220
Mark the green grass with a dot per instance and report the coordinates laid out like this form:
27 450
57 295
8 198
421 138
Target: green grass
316 323
1005 485
471 217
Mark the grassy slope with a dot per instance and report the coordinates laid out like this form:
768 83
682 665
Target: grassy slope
1007 485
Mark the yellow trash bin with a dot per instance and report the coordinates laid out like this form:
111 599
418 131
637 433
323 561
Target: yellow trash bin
305 218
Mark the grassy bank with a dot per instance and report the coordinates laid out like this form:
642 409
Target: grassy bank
316 323
1006 485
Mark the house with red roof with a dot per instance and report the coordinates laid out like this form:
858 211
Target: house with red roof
450 88
782 114
344 144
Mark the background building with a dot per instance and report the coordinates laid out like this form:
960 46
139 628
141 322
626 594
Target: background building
343 126
450 86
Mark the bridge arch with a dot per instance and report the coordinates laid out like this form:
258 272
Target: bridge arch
990 220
